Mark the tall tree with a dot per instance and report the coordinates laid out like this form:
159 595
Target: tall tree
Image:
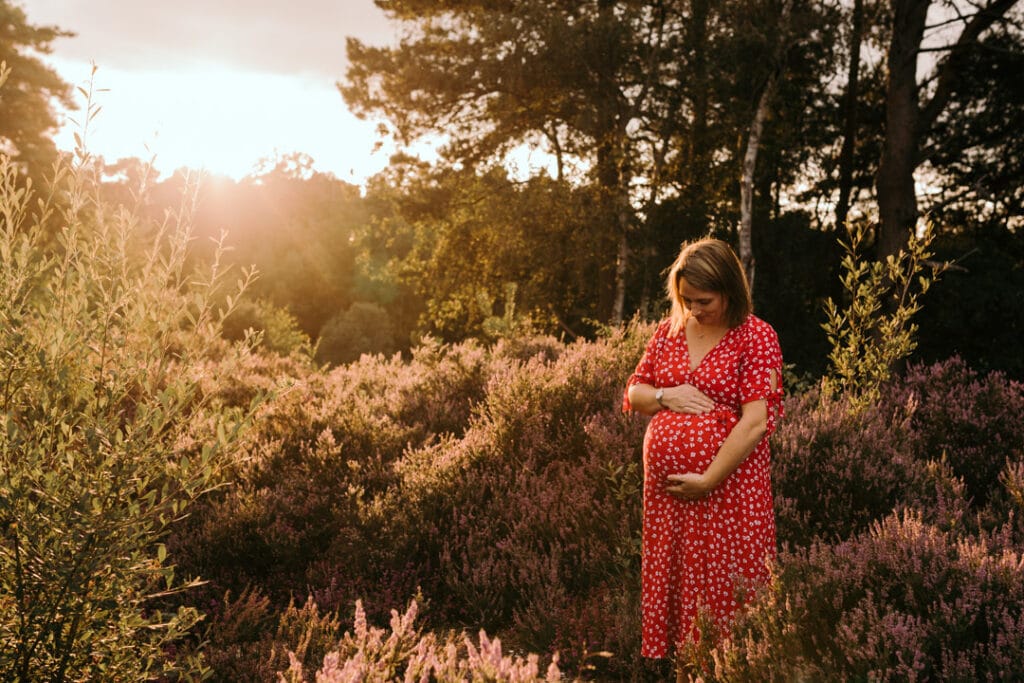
646 101
27 117
908 120
977 145
852 94
594 81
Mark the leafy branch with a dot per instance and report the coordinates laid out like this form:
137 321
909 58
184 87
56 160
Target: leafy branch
875 331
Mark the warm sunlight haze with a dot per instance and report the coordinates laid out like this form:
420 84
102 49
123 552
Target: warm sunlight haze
216 89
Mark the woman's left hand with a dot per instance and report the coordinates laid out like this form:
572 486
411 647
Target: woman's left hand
689 486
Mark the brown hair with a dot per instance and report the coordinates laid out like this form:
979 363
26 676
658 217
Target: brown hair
710 265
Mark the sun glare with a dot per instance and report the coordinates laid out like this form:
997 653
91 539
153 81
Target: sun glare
223 121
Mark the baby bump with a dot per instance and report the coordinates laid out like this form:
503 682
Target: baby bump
677 442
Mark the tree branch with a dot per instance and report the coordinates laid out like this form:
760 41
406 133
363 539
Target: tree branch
950 68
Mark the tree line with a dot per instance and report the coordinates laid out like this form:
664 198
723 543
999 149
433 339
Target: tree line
766 122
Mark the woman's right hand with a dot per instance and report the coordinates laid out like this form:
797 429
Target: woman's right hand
686 398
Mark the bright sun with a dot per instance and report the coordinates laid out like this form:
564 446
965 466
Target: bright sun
223 121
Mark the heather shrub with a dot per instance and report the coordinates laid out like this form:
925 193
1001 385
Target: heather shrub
973 421
835 471
279 518
317 453
369 653
936 440
247 640
1007 505
230 378
903 601
303 514
503 483
523 348
530 521
1012 478
236 635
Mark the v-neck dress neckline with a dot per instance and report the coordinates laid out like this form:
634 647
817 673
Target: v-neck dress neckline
689 357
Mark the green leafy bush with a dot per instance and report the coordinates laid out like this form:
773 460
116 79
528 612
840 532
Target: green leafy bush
875 329
104 440
278 329
362 328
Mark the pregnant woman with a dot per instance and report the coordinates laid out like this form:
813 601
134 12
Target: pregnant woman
710 376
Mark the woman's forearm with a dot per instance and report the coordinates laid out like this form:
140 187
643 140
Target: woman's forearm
740 443
641 398
682 398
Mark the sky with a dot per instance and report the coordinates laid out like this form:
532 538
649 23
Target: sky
218 84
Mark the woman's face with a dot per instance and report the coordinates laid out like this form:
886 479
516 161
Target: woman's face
707 307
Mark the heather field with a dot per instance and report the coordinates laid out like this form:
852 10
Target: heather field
498 489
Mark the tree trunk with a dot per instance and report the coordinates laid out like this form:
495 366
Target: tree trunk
621 263
612 176
747 182
846 157
897 201
697 165
754 144
906 124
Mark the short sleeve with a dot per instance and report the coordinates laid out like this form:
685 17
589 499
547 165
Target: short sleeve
644 372
760 357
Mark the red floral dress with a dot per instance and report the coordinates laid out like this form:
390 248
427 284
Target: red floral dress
696 553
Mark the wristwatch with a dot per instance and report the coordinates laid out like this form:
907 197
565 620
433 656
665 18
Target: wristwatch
657 397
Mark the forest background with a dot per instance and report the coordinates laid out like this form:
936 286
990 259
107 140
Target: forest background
766 123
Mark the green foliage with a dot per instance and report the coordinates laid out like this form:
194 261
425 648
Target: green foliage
277 328
296 226
508 324
363 328
104 440
875 330
451 239
27 114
